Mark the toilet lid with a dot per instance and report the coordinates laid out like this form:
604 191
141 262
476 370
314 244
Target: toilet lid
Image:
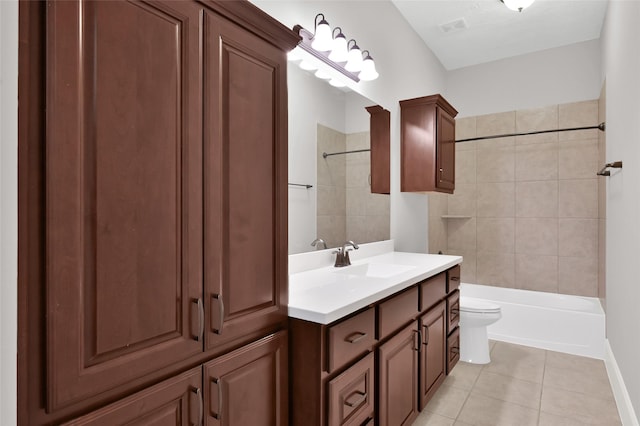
469 304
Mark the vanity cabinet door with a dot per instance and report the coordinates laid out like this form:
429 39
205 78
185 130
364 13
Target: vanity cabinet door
398 378
432 353
351 395
453 349
245 170
249 386
380 129
123 196
445 151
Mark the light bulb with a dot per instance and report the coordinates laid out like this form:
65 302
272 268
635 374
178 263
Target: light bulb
368 72
354 61
518 5
322 40
339 52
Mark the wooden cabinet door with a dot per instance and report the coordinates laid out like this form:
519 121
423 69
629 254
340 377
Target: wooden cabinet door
445 151
249 386
432 352
380 132
123 193
174 402
245 160
398 378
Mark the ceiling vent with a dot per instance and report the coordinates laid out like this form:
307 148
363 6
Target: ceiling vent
453 26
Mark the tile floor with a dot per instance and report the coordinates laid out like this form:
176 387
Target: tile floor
524 386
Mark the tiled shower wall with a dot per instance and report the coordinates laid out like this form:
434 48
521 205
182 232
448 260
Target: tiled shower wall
347 210
525 209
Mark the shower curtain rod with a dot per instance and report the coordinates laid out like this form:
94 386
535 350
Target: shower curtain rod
600 126
325 155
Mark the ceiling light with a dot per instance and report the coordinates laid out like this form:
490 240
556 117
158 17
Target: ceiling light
322 40
517 5
339 52
368 72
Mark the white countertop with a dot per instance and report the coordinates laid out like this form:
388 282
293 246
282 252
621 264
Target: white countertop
326 294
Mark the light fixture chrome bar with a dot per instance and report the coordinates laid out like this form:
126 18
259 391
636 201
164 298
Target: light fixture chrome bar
600 127
325 154
305 44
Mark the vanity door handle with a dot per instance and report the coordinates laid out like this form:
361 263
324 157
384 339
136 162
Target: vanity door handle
218 415
426 335
198 393
355 337
361 397
220 300
200 308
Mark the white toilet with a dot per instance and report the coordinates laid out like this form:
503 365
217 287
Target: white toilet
475 316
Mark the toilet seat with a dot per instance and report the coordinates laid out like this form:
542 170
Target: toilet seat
468 304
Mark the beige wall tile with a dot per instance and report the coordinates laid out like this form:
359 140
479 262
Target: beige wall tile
496 199
331 200
357 175
465 167
438 203
578 237
356 200
468 267
578 275
356 229
496 165
602 260
578 159
496 144
539 273
376 204
331 170
461 234
378 228
537 236
535 119
496 234
578 114
463 201
437 235
536 161
496 124
332 229
496 269
537 199
465 128
578 198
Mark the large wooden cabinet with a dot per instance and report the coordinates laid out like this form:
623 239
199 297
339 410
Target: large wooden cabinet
381 364
427 140
380 129
162 212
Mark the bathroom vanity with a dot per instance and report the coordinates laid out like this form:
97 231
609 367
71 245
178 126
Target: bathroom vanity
373 340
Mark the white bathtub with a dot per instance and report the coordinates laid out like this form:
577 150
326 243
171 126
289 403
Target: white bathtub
558 322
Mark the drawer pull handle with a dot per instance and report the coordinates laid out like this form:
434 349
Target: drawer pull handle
455 278
198 393
455 311
218 415
355 337
360 398
454 351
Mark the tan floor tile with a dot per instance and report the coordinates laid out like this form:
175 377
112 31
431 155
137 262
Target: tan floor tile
547 419
427 418
575 362
464 375
517 361
461 423
481 410
591 383
447 401
585 408
508 389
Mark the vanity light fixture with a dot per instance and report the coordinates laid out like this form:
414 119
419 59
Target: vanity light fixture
327 51
517 5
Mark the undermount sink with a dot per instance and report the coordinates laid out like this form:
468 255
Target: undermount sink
374 270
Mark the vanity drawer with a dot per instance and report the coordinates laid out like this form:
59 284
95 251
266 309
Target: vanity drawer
453 310
351 338
453 278
453 349
432 291
397 311
351 395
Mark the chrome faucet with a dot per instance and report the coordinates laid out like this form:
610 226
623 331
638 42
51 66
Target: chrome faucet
342 254
317 242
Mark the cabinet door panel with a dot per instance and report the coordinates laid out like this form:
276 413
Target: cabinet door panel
249 386
124 192
433 352
174 402
245 181
398 378
446 151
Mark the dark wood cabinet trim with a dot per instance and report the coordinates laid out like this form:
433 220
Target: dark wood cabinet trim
380 131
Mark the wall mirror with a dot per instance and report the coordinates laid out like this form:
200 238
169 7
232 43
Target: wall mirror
338 205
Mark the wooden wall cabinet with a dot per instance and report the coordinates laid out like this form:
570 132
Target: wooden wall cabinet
331 364
165 132
427 145
380 130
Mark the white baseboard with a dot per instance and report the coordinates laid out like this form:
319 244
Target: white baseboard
623 401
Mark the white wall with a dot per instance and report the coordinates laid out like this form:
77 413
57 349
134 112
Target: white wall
620 41
8 208
555 76
405 72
